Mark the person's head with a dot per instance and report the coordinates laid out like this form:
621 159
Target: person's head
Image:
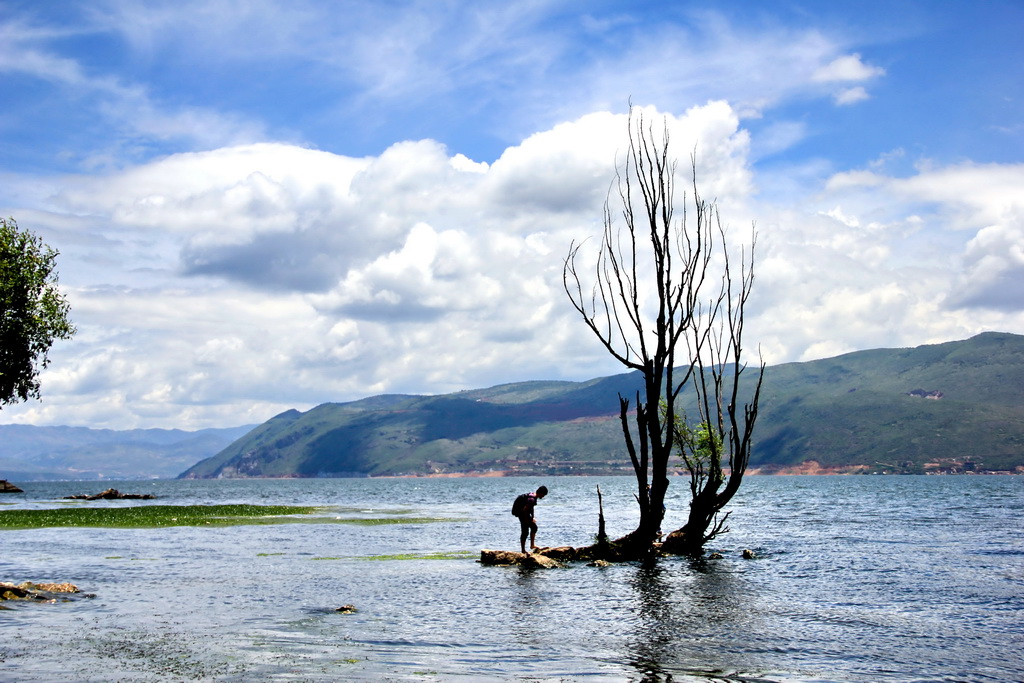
542 491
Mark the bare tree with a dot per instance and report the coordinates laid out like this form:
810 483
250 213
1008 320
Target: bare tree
724 431
652 302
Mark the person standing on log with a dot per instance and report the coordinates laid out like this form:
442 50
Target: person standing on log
523 509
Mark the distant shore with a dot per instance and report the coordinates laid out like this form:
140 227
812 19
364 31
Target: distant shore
809 468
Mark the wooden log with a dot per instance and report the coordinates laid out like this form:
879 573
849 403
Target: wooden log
568 553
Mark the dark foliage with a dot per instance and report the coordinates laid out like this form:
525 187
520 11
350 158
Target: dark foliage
33 312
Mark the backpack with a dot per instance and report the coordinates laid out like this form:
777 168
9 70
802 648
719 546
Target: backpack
519 506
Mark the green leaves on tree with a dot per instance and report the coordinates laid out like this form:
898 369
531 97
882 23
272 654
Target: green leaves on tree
33 311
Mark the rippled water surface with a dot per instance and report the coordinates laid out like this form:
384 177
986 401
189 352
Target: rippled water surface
856 579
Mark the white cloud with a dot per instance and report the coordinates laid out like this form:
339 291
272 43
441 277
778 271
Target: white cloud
851 96
706 58
400 54
981 194
520 65
993 276
410 271
846 68
222 287
416 55
837 213
853 179
893 262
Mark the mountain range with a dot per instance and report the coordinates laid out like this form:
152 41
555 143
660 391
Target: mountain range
951 407
29 453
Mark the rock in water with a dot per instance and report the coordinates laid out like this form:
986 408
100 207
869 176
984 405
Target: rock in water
505 557
112 494
52 587
8 487
36 591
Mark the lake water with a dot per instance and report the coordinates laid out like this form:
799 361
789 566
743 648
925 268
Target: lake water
856 579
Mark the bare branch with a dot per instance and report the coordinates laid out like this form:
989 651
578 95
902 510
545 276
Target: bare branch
689 332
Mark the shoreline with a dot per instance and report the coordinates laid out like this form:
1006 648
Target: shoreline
793 471
804 469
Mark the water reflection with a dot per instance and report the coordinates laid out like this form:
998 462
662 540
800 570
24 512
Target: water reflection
692 618
526 607
652 641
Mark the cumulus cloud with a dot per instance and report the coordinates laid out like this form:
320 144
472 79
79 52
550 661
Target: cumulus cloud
890 261
994 269
270 215
260 277
222 287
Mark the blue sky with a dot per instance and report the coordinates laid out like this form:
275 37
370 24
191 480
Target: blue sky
263 205
353 78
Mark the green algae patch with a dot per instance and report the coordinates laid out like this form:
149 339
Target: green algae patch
452 555
155 516
456 555
361 511
375 521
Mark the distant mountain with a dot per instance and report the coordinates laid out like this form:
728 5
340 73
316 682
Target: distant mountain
30 453
945 407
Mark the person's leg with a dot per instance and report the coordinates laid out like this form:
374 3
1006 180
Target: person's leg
533 535
524 531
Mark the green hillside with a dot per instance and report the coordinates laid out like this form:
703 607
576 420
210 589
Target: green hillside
900 409
943 407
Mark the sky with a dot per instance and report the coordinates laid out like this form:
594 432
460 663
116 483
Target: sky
270 204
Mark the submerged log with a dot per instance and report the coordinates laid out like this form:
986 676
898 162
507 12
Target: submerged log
568 553
508 557
112 494
8 487
625 549
558 556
